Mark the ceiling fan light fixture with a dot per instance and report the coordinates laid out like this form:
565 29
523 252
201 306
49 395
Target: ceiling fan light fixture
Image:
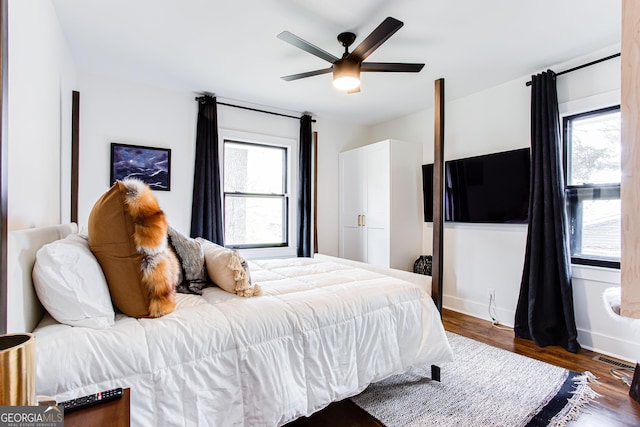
346 75
346 83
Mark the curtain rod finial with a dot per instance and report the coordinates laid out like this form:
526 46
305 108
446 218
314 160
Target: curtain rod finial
204 96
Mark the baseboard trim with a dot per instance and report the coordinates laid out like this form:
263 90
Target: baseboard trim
589 340
479 310
610 346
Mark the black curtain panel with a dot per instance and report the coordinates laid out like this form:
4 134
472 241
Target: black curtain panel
304 188
206 208
545 312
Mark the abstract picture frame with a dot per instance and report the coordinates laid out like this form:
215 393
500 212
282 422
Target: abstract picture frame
151 165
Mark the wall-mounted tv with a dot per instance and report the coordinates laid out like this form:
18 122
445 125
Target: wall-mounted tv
493 188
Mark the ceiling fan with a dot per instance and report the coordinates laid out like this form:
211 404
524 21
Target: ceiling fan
346 70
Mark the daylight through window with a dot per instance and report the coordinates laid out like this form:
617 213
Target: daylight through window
592 165
255 195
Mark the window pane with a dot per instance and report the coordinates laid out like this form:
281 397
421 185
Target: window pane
254 220
600 229
250 168
595 149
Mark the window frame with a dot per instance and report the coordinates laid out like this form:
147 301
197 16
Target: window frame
606 191
288 248
240 194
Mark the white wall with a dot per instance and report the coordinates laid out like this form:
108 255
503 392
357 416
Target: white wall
478 256
41 78
131 113
123 112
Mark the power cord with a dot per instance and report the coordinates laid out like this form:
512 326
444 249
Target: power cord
494 316
623 374
492 310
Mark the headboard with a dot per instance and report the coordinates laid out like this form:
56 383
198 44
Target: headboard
24 310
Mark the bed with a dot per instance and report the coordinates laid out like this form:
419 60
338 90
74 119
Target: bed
323 330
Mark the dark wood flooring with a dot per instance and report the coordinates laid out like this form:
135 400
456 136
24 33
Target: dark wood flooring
613 409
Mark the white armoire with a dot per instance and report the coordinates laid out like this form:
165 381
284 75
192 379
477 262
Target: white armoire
381 212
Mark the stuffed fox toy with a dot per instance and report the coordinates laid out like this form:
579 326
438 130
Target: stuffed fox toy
160 267
128 236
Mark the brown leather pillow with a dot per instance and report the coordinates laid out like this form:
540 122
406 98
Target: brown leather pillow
128 236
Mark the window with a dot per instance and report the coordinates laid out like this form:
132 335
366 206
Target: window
592 168
256 201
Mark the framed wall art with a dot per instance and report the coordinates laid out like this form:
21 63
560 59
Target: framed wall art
149 164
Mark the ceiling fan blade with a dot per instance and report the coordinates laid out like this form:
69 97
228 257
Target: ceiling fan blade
378 36
307 74
306 46
392 67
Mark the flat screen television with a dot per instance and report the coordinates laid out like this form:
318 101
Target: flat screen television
492 188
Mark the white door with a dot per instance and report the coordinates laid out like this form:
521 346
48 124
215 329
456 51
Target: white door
352 203
377 205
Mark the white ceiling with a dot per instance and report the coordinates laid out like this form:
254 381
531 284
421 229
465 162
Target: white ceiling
230 47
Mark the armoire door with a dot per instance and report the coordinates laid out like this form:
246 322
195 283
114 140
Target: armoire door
376 213
380 204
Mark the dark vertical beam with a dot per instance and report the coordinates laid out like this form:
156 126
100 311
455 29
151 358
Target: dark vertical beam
75 153
315 193
438 195
3 163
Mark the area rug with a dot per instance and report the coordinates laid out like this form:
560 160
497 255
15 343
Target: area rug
484 386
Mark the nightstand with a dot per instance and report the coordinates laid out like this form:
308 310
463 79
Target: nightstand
110 414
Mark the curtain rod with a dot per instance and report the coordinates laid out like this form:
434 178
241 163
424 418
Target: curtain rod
597 61
199 98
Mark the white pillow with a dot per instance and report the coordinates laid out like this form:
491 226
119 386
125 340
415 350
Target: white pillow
71 285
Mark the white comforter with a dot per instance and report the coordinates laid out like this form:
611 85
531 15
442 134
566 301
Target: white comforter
322 332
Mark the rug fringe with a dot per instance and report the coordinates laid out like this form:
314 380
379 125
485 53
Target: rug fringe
583 395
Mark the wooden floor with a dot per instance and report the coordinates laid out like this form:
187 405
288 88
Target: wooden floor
613 409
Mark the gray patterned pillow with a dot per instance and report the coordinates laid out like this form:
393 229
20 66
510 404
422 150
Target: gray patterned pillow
191 256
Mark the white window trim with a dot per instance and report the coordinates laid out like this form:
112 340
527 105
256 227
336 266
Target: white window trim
597 274
589 103
292 187
570 108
